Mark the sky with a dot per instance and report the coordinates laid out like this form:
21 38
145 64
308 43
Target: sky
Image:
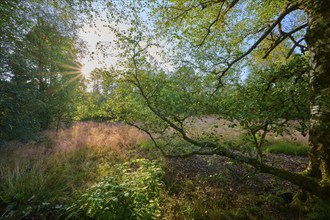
92 35
99 32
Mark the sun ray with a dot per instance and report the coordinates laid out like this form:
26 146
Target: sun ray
72 68
77 77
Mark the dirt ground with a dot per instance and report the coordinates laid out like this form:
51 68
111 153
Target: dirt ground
261 196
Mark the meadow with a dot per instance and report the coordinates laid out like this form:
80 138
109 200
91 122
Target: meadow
111 171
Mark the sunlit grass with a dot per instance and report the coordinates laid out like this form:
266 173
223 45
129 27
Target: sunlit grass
288 148
40 176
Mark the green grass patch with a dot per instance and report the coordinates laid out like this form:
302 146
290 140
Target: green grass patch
288 148
41 188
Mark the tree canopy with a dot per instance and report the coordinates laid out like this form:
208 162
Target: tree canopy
211 45
39 71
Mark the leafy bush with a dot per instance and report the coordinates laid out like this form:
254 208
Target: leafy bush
132 192
288 148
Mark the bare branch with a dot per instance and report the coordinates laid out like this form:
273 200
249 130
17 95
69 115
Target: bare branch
151 137
282 38
296 44
262 37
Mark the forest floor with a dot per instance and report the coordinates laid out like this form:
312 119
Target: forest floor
41 178
211 182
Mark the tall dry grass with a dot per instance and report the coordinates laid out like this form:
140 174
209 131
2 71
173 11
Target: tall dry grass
99 136
213 126
49 170
222 129
116 137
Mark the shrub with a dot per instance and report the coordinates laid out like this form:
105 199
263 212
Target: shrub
132 192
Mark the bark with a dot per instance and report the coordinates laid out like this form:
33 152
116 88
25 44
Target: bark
318 40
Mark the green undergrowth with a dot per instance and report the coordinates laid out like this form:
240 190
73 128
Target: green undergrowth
131 191
295 149
41 187
91 182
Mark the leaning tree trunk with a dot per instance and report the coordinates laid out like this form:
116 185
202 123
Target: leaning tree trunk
318 40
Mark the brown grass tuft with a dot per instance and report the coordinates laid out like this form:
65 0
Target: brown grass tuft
117 138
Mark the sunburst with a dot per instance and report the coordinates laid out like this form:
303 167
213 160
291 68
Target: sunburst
75 70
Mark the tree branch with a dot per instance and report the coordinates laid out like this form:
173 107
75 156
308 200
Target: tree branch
220 14
310 184
210 26
151 137
256 44
307 183
282 38
296 44
162 117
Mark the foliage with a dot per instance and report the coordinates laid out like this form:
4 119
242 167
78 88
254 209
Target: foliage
166 103
271 99
42 180
211 40
207 42
39 73
132 191
93 102
38 188
39 179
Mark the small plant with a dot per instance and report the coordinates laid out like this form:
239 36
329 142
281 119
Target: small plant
288 148
132 192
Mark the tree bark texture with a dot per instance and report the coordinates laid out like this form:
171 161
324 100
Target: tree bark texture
318 40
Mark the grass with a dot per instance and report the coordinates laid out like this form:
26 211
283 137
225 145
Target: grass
38 178
288 148
42 179
40 186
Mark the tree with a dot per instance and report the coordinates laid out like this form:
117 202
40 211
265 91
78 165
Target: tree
215 37
52 57
272 99
223 23
40 74
93 103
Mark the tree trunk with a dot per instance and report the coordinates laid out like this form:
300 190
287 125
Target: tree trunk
318 40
